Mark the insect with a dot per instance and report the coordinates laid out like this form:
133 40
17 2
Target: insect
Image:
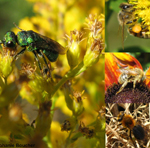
130 75
38 44
130 123
125 16
135 24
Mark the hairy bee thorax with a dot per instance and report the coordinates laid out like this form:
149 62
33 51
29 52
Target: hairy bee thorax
128 75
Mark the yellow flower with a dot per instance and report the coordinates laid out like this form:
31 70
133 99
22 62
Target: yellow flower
142 12
74 50
5 65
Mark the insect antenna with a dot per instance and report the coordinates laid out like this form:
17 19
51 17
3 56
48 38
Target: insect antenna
18 27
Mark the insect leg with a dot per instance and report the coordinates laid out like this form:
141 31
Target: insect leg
35 54
122 87
19 53
45 61
130 134
134 83
132 140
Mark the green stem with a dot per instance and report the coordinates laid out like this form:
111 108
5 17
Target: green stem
49 137
71 73
68 139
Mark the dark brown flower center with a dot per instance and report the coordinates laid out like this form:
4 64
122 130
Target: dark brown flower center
139 94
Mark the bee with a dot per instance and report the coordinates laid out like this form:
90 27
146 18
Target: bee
135 24
125 16
128 75
130 123
34 42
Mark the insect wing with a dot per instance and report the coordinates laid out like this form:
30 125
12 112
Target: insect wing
129 71
49 44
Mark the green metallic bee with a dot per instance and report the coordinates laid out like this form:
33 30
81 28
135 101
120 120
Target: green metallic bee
37 43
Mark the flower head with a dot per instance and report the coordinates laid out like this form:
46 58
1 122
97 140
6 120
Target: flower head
142 12
74 50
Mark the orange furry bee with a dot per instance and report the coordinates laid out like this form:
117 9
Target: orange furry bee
130 123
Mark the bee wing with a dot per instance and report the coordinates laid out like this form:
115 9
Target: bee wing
128 71
123 69
49 44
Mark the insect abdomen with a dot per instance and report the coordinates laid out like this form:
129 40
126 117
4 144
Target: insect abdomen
140 34
138 132
51 55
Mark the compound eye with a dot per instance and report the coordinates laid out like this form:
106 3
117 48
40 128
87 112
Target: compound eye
10 44
125 7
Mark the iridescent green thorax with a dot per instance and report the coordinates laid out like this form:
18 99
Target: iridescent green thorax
28 38
22 38
9 39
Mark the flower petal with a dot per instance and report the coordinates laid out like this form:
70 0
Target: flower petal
124 60
147 74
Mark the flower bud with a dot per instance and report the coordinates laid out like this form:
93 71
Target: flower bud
77 103
93 52
9 94
73 52
95 43
5 65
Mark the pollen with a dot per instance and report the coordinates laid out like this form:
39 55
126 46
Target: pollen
137 28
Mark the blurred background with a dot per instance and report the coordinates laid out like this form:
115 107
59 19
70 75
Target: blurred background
113 32
143 58
12 12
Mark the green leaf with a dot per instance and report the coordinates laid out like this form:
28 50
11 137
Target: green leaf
114 5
